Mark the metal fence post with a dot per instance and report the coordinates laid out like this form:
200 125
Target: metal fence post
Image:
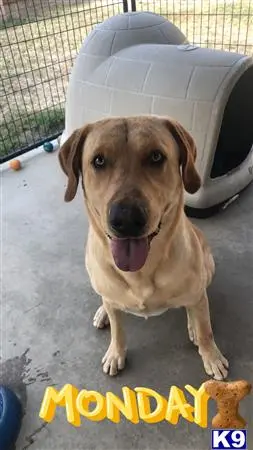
133 5
125 6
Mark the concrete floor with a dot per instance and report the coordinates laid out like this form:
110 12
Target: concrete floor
48 305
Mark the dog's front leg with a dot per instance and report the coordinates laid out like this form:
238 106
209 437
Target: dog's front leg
214 362
114 359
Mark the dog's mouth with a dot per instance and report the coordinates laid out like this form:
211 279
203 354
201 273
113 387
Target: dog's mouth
130 254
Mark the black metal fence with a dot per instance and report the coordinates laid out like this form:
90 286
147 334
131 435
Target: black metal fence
219 24
39 40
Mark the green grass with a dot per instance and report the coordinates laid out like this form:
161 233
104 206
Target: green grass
30 128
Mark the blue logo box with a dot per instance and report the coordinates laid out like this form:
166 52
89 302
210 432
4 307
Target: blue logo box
229 439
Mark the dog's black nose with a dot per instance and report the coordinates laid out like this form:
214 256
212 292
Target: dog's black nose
127 219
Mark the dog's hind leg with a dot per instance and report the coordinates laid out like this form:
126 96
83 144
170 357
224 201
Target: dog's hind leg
101 319
190 327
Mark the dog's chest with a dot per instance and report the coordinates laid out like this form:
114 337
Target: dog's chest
151 292
154 297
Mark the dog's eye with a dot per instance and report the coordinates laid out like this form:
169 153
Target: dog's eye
156 157
99 162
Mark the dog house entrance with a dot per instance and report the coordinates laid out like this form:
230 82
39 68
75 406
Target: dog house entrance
236 134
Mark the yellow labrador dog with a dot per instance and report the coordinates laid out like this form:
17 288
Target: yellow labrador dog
143 255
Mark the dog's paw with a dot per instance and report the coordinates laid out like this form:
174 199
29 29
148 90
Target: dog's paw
100 319
114 360
215 364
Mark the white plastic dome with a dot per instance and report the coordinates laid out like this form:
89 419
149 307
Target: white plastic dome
106 40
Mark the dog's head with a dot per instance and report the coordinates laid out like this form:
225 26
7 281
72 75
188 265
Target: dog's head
133 174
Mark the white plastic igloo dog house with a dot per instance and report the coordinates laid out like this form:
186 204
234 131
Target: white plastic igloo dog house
139 63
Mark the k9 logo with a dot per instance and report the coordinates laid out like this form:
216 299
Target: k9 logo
229 439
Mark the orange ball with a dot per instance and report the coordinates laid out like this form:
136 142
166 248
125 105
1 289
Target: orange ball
15 164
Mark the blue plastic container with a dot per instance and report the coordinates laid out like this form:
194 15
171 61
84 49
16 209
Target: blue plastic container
10 418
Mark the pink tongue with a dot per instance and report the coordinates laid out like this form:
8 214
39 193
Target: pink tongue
130 254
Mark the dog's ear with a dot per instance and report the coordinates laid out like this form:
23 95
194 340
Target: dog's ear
188 153
70 158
